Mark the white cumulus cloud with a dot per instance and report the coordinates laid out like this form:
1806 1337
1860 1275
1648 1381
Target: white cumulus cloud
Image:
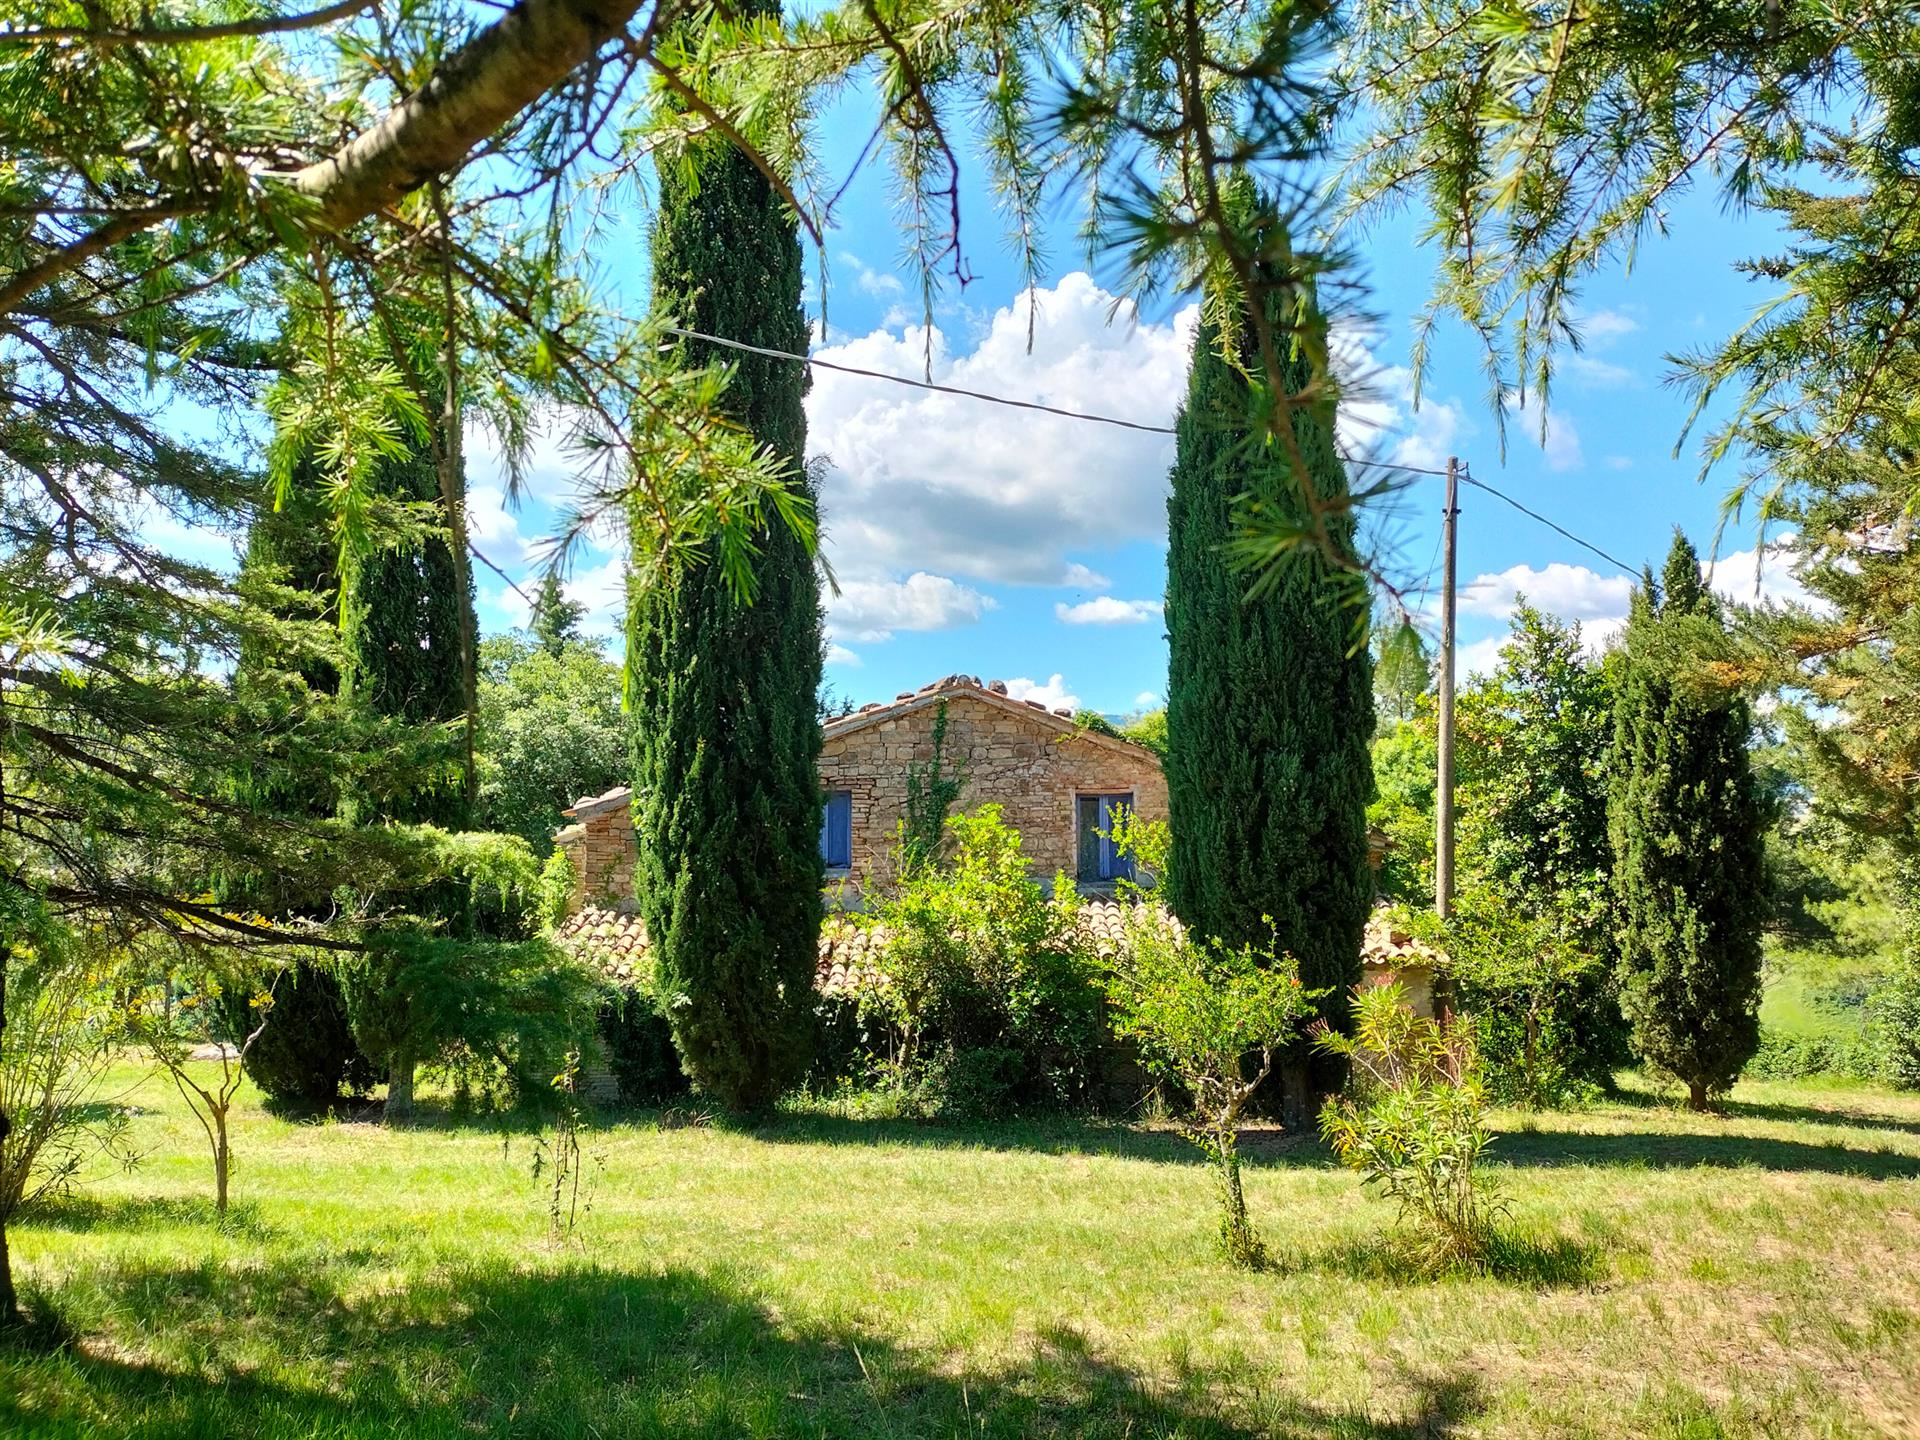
1573 592
919 480
1108 610
1053 694
873 609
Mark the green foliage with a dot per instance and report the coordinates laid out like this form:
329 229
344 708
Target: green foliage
550 731
932 791
726 742
555 889
1414 1124
1402 672
639 1047
1534 737
978 958
1530 993
1198 1012
1269 702
63 1028
1148 728
1688 834
1787 1055
1894 1023
555 621
306 1055
1406 773
498 1017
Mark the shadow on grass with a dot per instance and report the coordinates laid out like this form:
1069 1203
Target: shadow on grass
276 1352
1652 1150
83 1214
1530 1261
1057 1135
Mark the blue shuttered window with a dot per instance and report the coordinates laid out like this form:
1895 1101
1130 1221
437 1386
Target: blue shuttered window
1095 817
836 830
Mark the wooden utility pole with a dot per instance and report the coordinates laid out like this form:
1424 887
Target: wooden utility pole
1443 809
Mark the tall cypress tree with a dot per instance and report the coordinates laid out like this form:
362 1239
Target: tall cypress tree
726 784
1687 825
1269 701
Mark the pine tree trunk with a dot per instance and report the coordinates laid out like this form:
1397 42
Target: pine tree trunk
400 1089
1696 1095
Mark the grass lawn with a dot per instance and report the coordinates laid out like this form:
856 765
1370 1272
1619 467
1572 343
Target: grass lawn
1752 1274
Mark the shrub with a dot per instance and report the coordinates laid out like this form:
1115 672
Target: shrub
977 957
1198 1012
62 1031
639 1047
1893 1018
1547 1025
1784 1055
306 1055
1413 1123
495 1017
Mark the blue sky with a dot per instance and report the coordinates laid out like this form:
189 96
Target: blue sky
971 538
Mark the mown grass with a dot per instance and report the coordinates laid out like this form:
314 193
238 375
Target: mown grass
1754 1274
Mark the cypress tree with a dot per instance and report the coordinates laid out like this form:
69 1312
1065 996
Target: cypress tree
1269 701
1687 825
727 791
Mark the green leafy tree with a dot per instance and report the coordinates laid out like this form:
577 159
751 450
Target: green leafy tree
1198 1011
1147 728
551 730
726 743
1534 736
1406 775
1688 833
1270 700
1402 671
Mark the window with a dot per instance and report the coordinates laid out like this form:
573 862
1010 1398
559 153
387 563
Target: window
1095 816
836 830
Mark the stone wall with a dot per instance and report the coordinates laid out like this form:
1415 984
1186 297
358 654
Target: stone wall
600 845
1031 763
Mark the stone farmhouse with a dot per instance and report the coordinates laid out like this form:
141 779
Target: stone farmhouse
1057 782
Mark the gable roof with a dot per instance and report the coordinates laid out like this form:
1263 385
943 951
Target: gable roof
614 942
992 693
952 687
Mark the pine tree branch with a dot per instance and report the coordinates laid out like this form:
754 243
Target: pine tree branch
185 34
481 87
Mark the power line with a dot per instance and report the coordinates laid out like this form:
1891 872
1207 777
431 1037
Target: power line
475 549
818 363
1554 526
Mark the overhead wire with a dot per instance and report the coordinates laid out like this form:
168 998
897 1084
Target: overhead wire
726 343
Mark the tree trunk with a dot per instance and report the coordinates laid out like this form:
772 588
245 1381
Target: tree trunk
400 1089
9 1301
221 1158
1237 1236
1696 1095
1296 1094
1533 1050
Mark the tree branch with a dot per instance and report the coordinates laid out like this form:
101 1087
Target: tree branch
483 86
186 34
